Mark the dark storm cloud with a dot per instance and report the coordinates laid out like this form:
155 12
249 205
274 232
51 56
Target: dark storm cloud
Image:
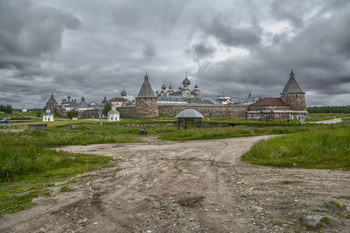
149 51
231 36
201 51
290 11
29 31
318 51
85 48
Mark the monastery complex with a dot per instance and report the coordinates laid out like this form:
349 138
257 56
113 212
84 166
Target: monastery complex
168 102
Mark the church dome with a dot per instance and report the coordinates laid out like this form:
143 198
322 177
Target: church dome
186 81
123 93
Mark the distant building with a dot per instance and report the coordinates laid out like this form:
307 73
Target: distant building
24 109
52 104
146 101
83 106
248 101
183 92
224 99
117 101
291 105
104 101
68 104
113 115
48 116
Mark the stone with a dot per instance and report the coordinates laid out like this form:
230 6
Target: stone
333 221
317 220
330 207
312 220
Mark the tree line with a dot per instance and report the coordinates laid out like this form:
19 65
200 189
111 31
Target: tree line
6 108
329 109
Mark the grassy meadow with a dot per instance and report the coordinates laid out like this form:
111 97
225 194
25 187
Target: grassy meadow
28 165
327 147
227 132
325 116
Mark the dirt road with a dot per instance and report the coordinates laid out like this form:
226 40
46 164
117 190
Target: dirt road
331 121
193 186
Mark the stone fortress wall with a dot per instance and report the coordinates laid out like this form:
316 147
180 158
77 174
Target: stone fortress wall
205 110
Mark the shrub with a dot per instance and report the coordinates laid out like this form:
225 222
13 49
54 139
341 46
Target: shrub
72 114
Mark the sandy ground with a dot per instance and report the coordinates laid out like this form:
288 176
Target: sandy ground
192 186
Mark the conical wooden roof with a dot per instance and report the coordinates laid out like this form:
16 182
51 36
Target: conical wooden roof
146 89
52 100
292 86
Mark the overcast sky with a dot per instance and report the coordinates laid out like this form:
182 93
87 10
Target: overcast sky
94 48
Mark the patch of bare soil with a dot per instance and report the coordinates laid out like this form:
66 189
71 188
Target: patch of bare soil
192 186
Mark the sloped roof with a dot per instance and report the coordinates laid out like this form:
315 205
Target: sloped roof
83 104
112 112
52 100
269 102
116 99
189 113
292 86
146 89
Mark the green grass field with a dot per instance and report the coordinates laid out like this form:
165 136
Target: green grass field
325 116
326 148
227 132
28 166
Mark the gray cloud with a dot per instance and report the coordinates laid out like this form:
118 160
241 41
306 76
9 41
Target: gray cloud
29 31
231 36
201 51
85 48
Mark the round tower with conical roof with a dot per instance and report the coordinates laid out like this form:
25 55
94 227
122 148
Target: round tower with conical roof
293 95
146 101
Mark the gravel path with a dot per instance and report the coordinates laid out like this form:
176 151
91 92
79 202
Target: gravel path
192 186
332 121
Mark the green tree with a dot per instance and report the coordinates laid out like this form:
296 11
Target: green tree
9 109
38 114
72 114
107 108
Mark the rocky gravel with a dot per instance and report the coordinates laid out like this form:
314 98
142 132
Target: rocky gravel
192 186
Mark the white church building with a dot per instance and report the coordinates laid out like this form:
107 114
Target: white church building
48 116
113 115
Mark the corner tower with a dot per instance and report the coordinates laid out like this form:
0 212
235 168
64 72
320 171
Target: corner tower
146 101
293 95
